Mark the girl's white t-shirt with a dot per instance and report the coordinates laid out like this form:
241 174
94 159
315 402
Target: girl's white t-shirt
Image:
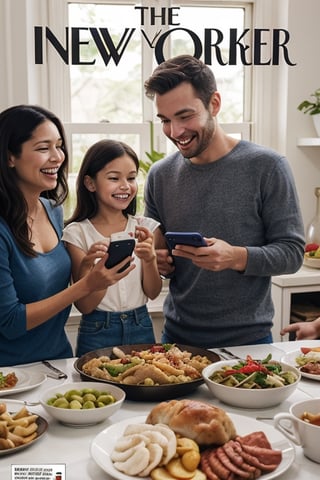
127 294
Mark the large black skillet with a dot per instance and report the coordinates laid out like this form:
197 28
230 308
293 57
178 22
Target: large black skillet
145 393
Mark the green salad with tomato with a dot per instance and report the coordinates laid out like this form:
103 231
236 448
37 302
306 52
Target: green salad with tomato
308 355
257 374
312 250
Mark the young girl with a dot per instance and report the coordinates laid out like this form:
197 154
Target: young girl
106 204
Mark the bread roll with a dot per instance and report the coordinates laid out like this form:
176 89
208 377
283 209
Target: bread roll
200 421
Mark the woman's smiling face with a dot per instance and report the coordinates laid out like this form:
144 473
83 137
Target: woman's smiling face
40 159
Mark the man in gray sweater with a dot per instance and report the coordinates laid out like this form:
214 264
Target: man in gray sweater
239 195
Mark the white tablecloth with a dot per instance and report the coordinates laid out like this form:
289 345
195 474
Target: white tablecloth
71 446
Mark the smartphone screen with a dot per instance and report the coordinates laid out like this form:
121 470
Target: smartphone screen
194 239
118 251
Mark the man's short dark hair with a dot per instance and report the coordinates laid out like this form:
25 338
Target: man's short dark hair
183 68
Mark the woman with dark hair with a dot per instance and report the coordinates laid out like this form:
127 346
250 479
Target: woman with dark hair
106 206
35 268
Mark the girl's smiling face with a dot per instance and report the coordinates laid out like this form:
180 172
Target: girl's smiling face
40 159
115 185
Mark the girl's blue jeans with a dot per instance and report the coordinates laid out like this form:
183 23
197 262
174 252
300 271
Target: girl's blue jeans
107 329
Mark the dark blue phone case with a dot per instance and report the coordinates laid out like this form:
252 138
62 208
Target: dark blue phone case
195 239
118 251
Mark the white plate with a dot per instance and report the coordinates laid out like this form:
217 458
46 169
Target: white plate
311 261
26 380
290 359
103 444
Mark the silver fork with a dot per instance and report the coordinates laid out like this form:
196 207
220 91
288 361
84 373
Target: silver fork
58 373
223 357
230 354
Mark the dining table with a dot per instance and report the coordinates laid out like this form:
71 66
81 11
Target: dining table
70 447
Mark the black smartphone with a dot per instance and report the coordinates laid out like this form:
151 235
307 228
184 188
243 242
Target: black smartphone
195 239
118 250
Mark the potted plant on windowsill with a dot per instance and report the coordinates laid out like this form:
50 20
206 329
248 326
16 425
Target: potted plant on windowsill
312 108
145 165
153 155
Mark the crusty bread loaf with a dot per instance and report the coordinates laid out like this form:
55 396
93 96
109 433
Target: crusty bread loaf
200 421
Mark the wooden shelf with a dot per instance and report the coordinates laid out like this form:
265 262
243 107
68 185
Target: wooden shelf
308 142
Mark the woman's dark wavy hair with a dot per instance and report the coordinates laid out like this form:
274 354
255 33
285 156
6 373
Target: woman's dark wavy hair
97 156
183 68
17 125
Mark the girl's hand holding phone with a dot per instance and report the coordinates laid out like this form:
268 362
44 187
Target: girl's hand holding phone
145 246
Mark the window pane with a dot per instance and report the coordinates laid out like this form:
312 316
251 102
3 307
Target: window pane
105 91
230 78
81 143
111 90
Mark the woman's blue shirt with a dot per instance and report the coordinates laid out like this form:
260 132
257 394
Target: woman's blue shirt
24 280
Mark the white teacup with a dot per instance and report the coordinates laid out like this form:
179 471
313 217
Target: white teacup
299 431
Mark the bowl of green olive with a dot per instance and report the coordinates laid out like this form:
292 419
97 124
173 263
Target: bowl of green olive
81 404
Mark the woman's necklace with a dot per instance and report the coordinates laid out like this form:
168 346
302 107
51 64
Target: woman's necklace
31 218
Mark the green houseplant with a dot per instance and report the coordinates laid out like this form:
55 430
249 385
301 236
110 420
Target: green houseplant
152 156
312 108
144 166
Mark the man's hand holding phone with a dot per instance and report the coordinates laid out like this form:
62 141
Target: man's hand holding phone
216 255
194 239
191 245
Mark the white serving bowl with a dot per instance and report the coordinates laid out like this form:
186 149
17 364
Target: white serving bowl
244 397
83 417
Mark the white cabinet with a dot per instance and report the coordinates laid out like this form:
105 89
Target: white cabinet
283 287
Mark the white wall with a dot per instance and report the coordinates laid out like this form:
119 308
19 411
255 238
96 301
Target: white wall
303 80
279 90
278 123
